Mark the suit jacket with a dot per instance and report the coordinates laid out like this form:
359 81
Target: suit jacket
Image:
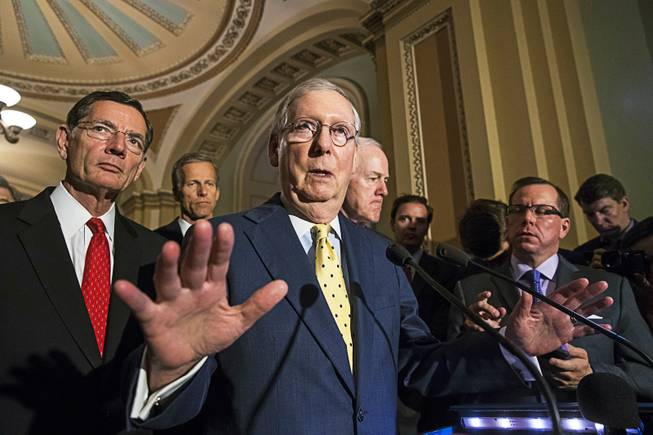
604 354
47 341
289 373
433 308
172 231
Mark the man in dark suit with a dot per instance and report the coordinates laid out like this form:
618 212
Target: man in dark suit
195 187
410 218
56 327
369 184
607 207
537 222
341 327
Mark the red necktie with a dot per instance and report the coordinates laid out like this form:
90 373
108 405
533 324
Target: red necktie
96 287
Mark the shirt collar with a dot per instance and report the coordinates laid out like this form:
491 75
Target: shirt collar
303 228
183 225
73 216
418 255
547 269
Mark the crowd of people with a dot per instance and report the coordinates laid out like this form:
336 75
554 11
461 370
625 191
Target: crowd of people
289 318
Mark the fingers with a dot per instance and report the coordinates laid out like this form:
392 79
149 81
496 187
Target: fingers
138 302
485 310
262 301
193 269
223 244
578 292
166 273
523 305
596 306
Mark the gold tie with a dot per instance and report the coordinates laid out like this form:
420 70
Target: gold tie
332 283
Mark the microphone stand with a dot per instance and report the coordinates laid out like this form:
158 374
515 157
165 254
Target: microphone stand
399 255
459 257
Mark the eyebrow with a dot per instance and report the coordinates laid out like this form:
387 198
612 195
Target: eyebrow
112 125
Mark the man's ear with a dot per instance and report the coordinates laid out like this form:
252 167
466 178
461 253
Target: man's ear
141 166
565 227
63 141
273 151
625 202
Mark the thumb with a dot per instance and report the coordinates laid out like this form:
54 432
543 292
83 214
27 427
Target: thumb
524 304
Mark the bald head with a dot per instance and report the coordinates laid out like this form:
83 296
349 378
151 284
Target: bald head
368 185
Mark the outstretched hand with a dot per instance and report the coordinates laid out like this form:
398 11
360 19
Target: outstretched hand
539 328
191 316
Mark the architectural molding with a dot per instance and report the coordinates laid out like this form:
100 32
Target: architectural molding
411 90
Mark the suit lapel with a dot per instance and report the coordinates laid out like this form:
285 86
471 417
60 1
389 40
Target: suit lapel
360 266
47 251
273 235
565 273
507 293
127 254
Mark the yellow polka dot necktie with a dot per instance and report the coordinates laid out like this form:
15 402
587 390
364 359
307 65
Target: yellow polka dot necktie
332 283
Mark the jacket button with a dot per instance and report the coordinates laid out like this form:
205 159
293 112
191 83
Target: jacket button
361 415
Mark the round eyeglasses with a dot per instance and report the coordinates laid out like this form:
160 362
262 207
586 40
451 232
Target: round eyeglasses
104 133
306 129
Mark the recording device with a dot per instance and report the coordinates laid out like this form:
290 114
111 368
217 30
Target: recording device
625 262
608 399
400 256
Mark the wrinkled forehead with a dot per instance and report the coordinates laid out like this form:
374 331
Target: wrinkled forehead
535 194
322 105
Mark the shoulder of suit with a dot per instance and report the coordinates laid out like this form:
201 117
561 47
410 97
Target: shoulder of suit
590 245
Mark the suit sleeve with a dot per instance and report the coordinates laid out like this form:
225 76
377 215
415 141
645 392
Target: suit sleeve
468 365
628 365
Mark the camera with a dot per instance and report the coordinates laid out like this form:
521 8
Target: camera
625 262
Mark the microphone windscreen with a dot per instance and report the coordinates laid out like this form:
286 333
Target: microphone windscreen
398 254
452 254
608 399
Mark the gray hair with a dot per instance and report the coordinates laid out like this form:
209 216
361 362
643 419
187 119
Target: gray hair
280 121
368 141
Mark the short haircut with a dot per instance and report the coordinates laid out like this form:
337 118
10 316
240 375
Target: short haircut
563 199
5 183
280 121
482 229
599 186
405 199
178 172
82 108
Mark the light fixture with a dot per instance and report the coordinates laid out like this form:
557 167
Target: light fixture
12 122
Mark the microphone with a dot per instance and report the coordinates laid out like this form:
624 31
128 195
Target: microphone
400 256
457 256
608 399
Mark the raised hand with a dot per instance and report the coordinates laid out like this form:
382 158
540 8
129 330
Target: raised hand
491 314
191 316
538 328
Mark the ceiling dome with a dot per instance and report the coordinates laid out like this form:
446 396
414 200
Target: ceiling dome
62 49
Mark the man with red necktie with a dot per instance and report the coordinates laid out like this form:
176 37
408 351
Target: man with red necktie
60 253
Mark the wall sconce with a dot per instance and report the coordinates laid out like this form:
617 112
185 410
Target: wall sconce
12 122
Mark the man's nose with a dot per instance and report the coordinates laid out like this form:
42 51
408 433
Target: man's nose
323 140
116 144
383 189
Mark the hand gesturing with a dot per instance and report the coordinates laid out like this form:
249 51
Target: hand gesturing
191 316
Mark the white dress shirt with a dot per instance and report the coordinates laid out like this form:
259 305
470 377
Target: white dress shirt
72 218
184 226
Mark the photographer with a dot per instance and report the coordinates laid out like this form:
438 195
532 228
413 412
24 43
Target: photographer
607 207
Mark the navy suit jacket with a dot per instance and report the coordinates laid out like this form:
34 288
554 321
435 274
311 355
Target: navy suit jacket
289 373
604 354
52 378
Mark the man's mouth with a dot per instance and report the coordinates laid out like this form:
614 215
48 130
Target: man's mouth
110 167
320 172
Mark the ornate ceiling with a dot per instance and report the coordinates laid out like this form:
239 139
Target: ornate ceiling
61 49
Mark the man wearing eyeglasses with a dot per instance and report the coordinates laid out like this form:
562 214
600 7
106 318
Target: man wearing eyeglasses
537 221
60 252
341 328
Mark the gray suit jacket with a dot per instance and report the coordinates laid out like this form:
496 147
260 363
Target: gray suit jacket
604 355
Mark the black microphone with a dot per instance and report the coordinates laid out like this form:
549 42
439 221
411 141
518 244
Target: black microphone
457 256
608 399
400 256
